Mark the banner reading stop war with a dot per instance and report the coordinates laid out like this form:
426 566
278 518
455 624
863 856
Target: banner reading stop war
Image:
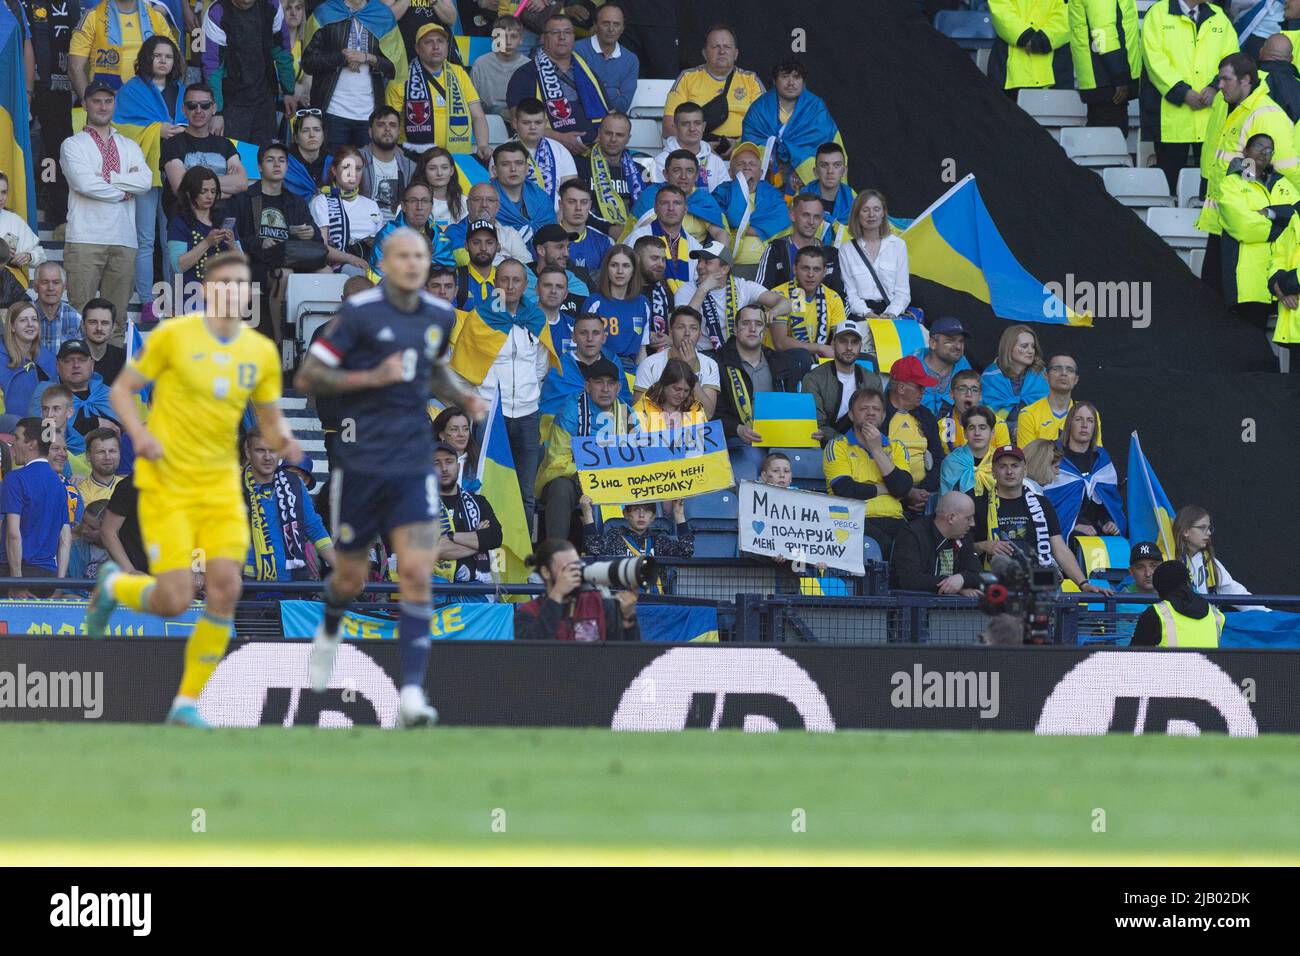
653 466
801 525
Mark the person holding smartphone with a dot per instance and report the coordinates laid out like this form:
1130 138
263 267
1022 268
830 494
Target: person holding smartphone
193 235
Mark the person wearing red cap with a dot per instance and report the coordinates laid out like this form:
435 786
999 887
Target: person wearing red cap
912 425
1012 517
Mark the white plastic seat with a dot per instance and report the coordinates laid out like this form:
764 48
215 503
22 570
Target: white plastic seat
1177 227
648 100
311 300
647 135
1141 188
1189 188
1096 146
497 133
1053 108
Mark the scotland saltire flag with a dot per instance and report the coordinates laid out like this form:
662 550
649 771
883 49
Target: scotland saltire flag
1070 488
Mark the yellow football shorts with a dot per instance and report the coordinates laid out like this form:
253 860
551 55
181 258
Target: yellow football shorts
188 531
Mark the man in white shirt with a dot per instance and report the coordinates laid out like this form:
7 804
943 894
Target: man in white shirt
683 336
105 171
549 163
719 296
519 370
689 120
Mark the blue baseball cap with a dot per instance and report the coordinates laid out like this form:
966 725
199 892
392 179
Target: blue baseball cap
948 325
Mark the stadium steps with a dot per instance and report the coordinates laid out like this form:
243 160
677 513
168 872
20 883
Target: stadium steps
306 426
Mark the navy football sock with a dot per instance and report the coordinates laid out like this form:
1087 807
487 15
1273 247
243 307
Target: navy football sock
413 641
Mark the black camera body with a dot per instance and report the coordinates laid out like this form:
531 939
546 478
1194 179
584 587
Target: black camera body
1025 590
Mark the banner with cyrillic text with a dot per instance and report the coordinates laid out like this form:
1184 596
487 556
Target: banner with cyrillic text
653 466
801 526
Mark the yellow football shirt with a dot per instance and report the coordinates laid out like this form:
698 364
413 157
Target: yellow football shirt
109 60
845 458
201 386
91 490
697 86
1037 420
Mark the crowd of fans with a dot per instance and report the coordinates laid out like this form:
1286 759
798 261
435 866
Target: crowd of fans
598 289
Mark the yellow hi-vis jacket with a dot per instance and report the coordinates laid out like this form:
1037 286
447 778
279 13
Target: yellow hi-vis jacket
1226 136
1179 630
1282 270
1179 56
1249 233
1011 18
1105 43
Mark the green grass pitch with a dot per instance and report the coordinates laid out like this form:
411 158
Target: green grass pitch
137 795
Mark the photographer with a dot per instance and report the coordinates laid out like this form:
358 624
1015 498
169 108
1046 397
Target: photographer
569 611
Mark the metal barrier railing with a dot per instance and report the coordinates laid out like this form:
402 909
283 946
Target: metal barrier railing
760 602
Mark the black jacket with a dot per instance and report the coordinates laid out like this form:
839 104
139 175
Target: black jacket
323 59
777 265
916 550
783 378
930 429
1283 83
248 225
1187 602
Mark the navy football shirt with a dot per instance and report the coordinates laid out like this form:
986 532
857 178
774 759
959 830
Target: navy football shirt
386 430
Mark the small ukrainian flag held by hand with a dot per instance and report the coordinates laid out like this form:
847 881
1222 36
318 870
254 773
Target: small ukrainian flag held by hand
15 122
785 419
1150 515
956 244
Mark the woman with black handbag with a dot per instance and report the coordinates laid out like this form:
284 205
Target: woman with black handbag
873 261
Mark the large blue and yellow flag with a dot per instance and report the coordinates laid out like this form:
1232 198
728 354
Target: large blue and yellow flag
956 243
481 333
375 17
1150 515
16 159
499 484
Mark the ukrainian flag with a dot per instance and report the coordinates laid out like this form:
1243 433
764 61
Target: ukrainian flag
481 333
1150 515
895 339
470 172
499 484
15 122
956 243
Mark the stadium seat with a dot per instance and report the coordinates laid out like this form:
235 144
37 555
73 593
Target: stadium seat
1189 188
1095 146
648 101
714 511
969 29
743 467
804 462
1196 261
1178 228
982 60
1141 188
497 133
1143 6
715 544
1053 108
310 301
647 135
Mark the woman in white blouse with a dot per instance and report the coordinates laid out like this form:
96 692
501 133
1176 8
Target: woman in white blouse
873 261
23 243
347 220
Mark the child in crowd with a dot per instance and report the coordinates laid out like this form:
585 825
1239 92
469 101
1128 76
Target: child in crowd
636 539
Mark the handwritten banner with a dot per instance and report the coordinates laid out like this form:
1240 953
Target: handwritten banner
801 525
653 466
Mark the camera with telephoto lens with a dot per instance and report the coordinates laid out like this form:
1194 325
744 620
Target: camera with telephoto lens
1015 586
621 573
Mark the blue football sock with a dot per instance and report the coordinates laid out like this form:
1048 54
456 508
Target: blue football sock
413 641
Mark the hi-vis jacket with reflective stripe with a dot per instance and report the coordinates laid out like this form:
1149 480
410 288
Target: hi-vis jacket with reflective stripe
1179 630
1226 138
1248 232
1179 55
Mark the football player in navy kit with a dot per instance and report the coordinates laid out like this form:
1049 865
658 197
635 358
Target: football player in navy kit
383 355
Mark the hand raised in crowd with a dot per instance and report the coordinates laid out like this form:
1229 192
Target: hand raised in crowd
586 504
871 437
568 580
168 130
659 340
217 126
745 433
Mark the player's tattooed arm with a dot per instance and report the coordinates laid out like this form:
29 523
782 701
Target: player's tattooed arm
319 379
446 387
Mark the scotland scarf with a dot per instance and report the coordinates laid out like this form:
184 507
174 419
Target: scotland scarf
292 517
551 93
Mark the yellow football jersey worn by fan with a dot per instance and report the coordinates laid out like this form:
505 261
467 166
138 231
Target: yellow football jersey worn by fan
201 386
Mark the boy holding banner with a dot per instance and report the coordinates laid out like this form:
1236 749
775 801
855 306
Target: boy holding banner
636 540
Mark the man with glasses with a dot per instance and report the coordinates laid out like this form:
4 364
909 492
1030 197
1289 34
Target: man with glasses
966 392
571 93
200 145
912 425
1046 417
417 205
944 358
